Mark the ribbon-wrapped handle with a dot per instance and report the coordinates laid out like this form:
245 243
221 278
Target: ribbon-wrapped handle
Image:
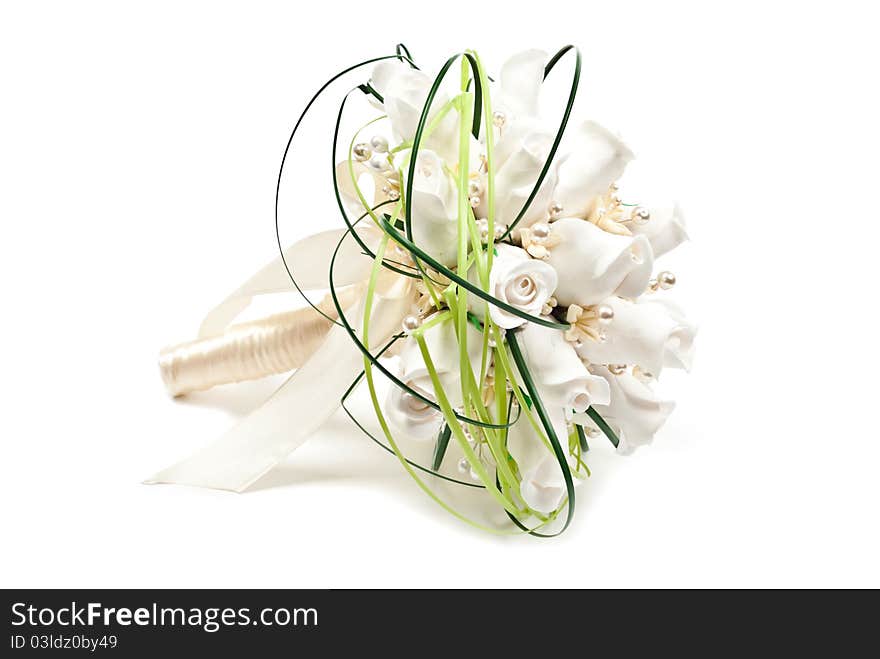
249 351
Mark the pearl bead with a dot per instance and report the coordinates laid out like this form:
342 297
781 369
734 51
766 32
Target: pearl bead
605 314
500 229
379 163
555 210
616 369
391 193
411 323
474 201
641 215
499 118
540 230
666 280
483 229
379 144
475 476
362 152
464 466
475 188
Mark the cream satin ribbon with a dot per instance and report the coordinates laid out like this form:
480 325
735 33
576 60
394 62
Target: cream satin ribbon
249 351
327 359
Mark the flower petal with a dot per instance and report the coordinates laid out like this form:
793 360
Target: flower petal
405 91
561 377
518 280
435 209
543 485
635 412
520 84
665 230
410 416
519 158
442 344
595 159
593 264
680 347
651 334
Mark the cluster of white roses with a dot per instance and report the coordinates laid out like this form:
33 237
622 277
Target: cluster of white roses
578 255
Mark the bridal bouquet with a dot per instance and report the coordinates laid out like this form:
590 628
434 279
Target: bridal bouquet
490 289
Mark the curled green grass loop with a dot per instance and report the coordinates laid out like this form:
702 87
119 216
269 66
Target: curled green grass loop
375 362
435 471
423 120
416 252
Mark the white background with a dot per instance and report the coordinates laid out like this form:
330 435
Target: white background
138 151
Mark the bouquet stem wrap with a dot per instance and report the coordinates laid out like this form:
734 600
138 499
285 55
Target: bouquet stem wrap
249 351
299 407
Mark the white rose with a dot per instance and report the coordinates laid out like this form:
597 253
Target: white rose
652 333
519 157
412 416
542 484
593 264
594 159
560 376
518 89
589 159
665 230
523 141
565 386
405 91
517 279
635 413
435 209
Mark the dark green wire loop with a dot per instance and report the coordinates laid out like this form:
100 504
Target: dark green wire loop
423 120
464 283
341 206
375 362
560 455
432 472
575 81
296 126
